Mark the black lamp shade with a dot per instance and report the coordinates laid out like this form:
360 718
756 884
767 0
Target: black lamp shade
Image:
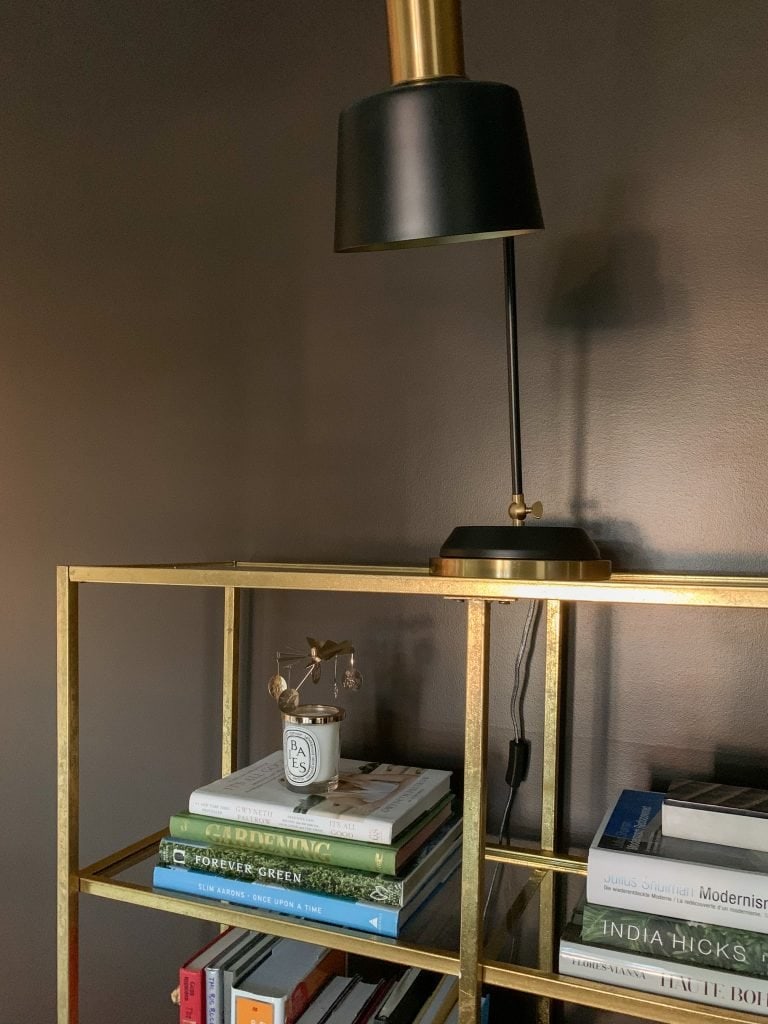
445 160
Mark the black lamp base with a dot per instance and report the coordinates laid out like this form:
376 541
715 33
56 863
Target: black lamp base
557 553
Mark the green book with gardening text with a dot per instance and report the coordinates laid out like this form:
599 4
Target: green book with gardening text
349 853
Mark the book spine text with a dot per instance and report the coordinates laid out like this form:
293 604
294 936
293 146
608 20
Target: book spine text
649 974
366 830
294 845
710 945
365 917
250 866
683 890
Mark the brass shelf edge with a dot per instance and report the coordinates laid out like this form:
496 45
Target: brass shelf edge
126 858
647 1006
711 591
392 950
520 857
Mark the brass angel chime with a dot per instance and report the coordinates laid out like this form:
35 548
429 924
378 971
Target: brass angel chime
320 651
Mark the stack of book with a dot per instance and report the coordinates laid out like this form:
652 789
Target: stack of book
244 977
676 901
366 856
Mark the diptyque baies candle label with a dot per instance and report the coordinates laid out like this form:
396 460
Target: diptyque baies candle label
311 746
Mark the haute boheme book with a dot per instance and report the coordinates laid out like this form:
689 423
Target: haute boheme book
373 802
580 959
633 866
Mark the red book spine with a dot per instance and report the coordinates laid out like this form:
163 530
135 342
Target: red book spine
191 990
192 985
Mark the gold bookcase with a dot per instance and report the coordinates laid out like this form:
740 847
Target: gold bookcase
471 964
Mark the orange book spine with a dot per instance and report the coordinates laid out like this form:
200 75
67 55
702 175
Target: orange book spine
287 1009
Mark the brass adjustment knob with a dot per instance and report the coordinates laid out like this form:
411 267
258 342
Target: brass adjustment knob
518 509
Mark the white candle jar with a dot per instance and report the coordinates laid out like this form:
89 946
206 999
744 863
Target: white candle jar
311 747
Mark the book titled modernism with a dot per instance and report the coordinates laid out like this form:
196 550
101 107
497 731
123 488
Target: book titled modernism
633 866
373 802
345 853
580 959
708 813
334 910
311 877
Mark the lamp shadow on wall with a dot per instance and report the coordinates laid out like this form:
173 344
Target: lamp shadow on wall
607 280
731 766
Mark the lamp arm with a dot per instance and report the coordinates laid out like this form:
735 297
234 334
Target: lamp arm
513 373
518 508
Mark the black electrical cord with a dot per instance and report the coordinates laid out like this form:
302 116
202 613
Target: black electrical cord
519 747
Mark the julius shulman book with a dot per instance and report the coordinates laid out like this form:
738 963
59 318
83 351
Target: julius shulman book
633 866
373 802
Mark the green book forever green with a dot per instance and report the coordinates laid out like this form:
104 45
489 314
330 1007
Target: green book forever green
308 876
732 949
346 853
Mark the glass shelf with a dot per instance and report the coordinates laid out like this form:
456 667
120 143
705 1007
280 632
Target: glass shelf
430 939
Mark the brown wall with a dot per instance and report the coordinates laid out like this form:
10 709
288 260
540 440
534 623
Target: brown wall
189 372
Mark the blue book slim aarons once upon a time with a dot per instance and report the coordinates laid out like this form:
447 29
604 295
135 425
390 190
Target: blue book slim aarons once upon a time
633 866
335 910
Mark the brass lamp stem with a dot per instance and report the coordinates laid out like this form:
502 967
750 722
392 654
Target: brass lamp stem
425 39
519 509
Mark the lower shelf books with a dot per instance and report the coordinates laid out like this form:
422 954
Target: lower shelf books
628 969
192 975
334 910
346 1000
292 982
228 971
282 985
686 942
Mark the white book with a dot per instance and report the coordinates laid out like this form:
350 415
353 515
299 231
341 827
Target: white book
231 973
650 974
373 802
280 989
633 866
725 815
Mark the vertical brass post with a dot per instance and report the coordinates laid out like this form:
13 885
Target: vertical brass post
473 848
553 678
68 797
230 679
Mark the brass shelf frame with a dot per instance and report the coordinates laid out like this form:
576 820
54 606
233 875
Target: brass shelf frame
472 964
